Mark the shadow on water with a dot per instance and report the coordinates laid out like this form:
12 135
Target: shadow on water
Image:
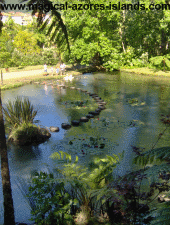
24 154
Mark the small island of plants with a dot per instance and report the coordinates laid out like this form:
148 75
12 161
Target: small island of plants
19 117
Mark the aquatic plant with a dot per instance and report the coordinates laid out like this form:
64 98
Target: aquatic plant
18 112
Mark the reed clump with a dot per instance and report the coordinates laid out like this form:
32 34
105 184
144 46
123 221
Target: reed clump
19 116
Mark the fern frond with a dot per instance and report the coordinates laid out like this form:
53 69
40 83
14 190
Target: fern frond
163 215
153 155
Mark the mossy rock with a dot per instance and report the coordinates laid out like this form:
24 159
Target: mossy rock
29 134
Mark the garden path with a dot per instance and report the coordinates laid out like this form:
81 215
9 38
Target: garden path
21 74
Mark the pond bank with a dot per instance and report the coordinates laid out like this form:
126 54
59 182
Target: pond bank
17 79
147 71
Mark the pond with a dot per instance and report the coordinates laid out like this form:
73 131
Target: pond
131 118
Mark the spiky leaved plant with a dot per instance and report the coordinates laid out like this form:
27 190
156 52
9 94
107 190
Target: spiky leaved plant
18 112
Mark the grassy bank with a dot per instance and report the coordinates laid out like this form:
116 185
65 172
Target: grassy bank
17 82
28 68
23 68
147 71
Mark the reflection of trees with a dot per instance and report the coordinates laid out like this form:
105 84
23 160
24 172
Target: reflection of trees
26 153
7 192
74 114
67 101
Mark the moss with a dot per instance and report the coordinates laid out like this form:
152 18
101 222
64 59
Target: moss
27 134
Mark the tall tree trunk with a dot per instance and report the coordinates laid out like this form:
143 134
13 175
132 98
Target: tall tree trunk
121 30
7 192
163 42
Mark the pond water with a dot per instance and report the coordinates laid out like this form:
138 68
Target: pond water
132 118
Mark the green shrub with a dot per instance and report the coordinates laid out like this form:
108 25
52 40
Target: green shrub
52 204
159 62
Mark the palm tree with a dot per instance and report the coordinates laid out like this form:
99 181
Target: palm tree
57 29
6 184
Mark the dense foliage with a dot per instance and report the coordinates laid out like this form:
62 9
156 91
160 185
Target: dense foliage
116 38
139 197
106 39
25 45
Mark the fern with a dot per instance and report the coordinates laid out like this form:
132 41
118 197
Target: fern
163 215
88 185
153 156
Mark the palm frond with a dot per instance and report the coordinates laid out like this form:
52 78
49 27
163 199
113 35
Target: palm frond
56 23
54 33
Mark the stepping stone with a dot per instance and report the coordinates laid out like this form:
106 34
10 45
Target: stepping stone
103 103
90 116
66 126
97 98
72 88
102 107
98 110
54 129
75 122
84 119
94 113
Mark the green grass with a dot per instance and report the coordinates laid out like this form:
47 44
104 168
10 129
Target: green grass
147 71
23 68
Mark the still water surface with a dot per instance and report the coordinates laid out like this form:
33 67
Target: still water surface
132 118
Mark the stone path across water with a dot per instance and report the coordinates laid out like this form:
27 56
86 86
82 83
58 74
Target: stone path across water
101 106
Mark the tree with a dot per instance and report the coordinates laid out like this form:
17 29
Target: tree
26 43
5 45
7 192
93 36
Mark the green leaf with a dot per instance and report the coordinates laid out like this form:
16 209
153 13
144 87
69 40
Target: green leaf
76 159
62 154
